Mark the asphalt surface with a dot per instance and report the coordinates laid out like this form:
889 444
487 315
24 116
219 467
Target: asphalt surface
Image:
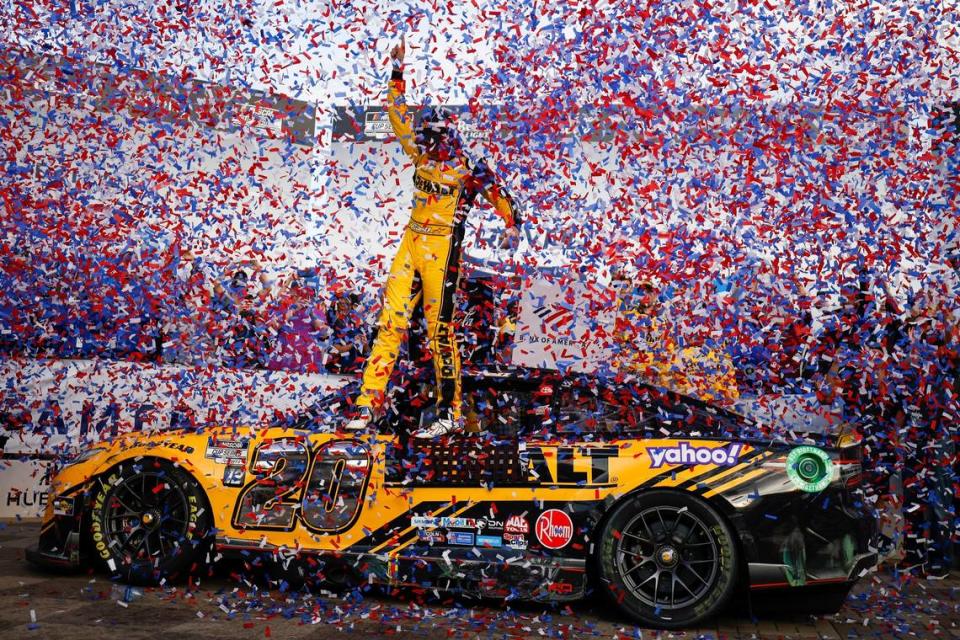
231 604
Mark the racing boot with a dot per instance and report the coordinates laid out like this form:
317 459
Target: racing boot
444 424
362 421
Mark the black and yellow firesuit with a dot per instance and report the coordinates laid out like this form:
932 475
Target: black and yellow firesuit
447 184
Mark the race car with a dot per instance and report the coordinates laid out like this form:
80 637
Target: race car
561 485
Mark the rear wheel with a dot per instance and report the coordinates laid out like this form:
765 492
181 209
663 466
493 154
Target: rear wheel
149 521
667 559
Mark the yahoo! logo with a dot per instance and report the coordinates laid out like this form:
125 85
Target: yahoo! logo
685 453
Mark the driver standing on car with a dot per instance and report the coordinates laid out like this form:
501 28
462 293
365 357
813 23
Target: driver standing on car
446 185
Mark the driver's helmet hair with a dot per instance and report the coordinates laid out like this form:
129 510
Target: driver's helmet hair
436 128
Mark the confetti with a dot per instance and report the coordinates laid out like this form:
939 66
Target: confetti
749 203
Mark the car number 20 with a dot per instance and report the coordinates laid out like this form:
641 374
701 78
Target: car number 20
322 488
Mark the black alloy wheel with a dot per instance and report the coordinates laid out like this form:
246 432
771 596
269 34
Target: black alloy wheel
667 559
149 521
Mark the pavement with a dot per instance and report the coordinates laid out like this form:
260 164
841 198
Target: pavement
231 604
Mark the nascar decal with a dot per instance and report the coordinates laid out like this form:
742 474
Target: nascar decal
686 453
554 529
489 524
810 469
515 541
431 537
230 451
515 531
234 475
480 524
517 524
424 522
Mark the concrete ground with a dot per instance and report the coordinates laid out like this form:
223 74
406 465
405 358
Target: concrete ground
34 604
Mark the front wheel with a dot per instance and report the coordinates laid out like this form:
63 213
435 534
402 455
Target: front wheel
667 559
149 521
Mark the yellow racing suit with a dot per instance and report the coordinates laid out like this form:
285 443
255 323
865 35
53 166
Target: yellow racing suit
445 190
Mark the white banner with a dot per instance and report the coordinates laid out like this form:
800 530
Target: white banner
53 406
24 488
562 325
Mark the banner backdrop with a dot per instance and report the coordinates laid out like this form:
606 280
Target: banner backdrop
365 123
53 406
24 488
563 325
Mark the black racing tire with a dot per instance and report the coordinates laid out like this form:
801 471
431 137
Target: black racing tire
667 559
149 522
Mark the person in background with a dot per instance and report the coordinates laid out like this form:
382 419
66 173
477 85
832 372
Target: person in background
241 304
300 323
346 330
475 317
506 330
646 348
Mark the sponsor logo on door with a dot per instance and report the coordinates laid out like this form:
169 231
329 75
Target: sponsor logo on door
516 524
554 529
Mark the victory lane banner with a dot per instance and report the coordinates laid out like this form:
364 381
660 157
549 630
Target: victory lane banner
370 123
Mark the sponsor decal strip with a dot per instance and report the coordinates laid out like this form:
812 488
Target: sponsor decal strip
554 529
411 529
684 476
752 462
669 475
464 538
721 474
400 547
489 541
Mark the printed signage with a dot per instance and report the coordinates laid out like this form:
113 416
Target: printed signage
559 325
372 123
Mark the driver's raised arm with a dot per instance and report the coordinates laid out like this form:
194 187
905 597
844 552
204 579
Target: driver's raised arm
400 118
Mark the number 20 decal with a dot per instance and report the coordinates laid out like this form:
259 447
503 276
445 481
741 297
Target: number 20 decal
323 488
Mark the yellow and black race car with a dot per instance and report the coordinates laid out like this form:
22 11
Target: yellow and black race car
561 485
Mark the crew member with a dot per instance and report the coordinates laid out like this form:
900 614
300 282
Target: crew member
647 349
447 183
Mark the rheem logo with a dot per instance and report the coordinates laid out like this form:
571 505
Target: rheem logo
554 529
